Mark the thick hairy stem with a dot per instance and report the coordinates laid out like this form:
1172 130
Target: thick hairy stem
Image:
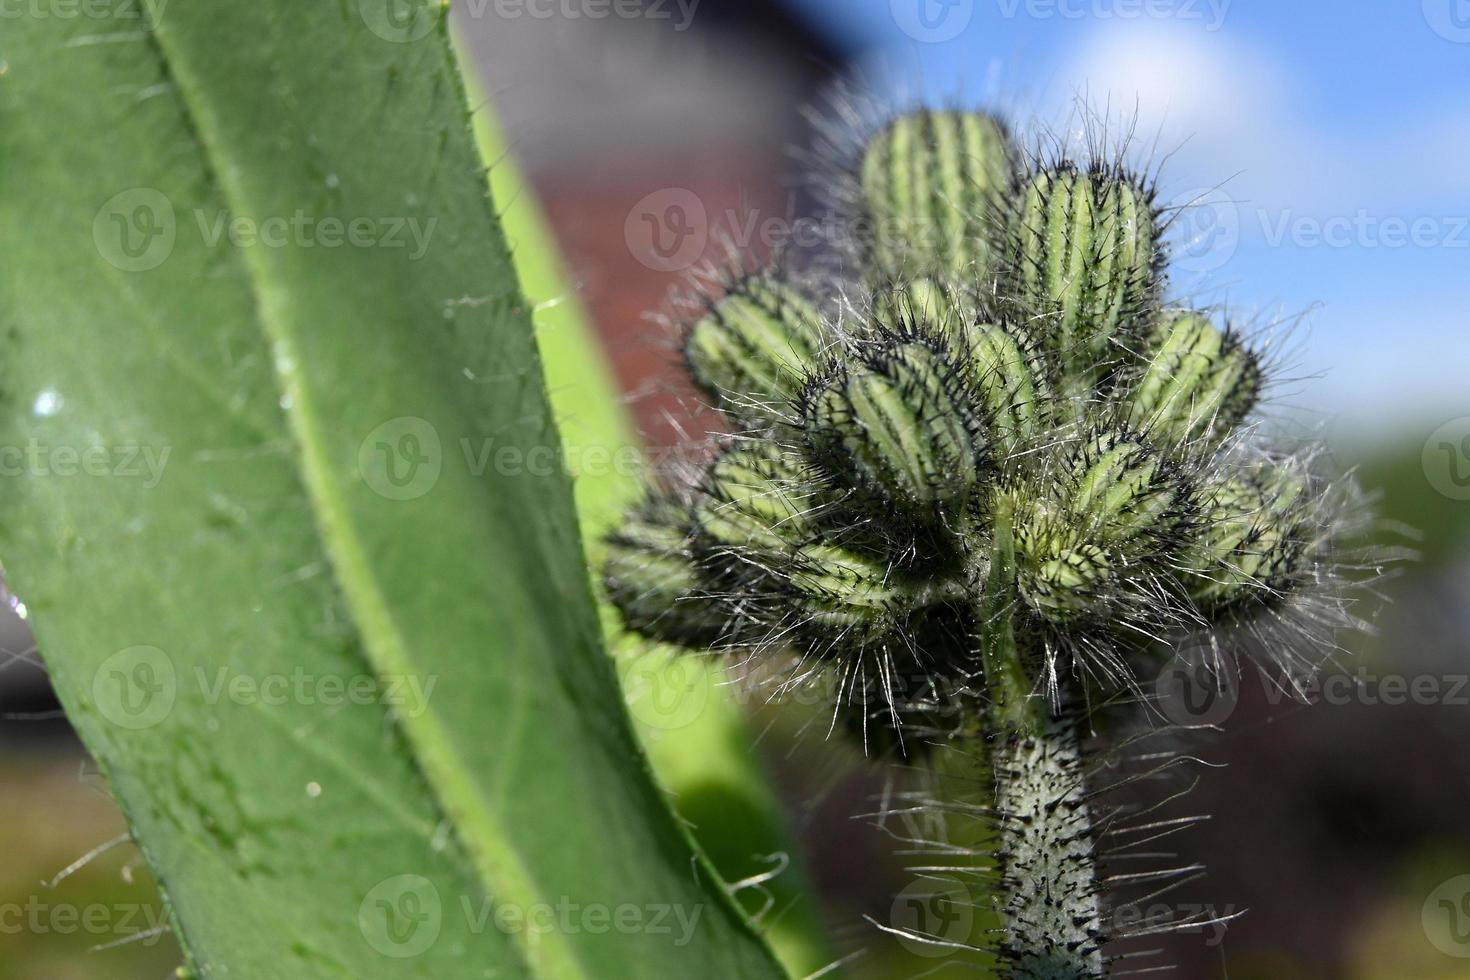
1048 893
1051 911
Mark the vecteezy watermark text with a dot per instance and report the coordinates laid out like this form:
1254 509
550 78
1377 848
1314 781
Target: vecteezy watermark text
136 230
131 461
311 231
138 687
403 916
131 921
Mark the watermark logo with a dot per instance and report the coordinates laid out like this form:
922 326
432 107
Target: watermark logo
402 916
1190 694
1446 917
931 916
1206 229
135 230
400 21
668 230
140 14
127 922
1446 459
932 21
1210 13
665 692
402 458
1450 19
135 688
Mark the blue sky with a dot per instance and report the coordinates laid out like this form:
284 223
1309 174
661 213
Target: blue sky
1338 138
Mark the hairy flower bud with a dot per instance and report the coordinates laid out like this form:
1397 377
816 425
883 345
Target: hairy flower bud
1084 265
752 349
923 305
931 182
1199 382
844 591
1010 379
1113 510
899 424
652 578
1253 545
854 597
752 500
1123 491
1063 580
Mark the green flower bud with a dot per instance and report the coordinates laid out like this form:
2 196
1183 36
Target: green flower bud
1200 382
1084 265
855 596
1071 585
923 305
1123 491
1114 507
751 500
844 591
900 424
754 347
1252 547
931 182
653 581
1010 378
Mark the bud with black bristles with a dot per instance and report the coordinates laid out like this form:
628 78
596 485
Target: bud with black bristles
1010 377
1198 384
1064 578
1122 491
899 425
754 498
931 182
1114 510
1084 265
653 580
923 305
1253 547
753 348
843 592
851 596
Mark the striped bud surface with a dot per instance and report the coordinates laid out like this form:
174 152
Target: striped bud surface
922 305
932 183
653 581
843 590
1062 578
1123 491
1252 547
753 500
899 423
1199 383
754 347
1010 378
1084 264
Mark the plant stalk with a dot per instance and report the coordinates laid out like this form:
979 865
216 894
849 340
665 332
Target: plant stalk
1048 884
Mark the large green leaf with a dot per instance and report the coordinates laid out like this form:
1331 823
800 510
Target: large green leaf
695 733
302 583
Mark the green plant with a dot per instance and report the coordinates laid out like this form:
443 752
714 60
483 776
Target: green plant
984 475
315 514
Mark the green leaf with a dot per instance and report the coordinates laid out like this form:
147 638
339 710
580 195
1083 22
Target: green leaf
694 732
279 515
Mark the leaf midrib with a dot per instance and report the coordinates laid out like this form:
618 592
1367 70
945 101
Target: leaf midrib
500 869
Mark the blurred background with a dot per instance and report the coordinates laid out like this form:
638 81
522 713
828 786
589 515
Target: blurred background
1317 155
